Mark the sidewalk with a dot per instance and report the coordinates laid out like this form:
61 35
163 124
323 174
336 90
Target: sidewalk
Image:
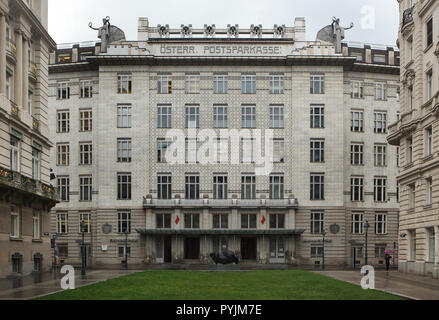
406 285
34 286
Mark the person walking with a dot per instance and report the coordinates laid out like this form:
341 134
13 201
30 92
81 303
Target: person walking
388 258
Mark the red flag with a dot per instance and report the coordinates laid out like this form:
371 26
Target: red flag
177 220
263 220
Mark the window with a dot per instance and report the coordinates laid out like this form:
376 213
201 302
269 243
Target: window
410 98
192 84
357 189
380 224
277 221
248 149
36 164
380 91
30 98
248 187
15 154
429 32
192 187
220 84
380 122
429 85
316 251
191 221
164 114
164 84
124 83
124 186
220 117
357 55
63 91
410 150
431 244
36 224
429 187
412 245
278 150
63 250
429 141
64 188
86 120
317 117
162 147
410 48
357 154
192 117
220 191
317 186
85 188
380 194
15 222
317 84
276 187
379 58
357 121
64 57
62 223
124 150
124 251
63 121
221 149
63 154
412 195
248 117
220 221
357 90
85 153
317 151
248 221
191 150
86 218
86 89
124 116
163 221
379 251
380 152
248 84
277 117
357 223
276 84
317 222
164 186
124 222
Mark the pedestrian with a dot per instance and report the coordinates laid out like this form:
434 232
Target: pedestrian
388 261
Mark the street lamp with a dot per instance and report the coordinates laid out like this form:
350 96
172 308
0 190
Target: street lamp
324 233
366 226
83 225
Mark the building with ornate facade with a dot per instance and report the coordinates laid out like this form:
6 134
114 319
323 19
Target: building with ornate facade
117 117
416 133
26 195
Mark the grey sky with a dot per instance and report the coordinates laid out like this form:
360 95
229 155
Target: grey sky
68 21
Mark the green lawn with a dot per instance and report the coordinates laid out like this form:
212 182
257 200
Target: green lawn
195 285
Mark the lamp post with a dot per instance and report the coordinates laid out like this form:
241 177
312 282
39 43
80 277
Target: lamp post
126 249
83 248
324 233
366 226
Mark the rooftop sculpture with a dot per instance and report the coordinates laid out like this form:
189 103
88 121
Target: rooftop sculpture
108 33
334 34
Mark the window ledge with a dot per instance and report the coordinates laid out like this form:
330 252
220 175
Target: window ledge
427 158
428 48
37 240
428 206
16 239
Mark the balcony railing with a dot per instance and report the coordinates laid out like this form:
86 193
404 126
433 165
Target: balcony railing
36 124
407 16
211 203
11 49
33 69
15 111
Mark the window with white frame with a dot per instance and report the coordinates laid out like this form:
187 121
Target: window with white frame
380 91
357 189
123 251
164 114
277 84
15 222
357 90
317 117
317 186
317 84
124 117
36 164
276 186
248 117
221 149
220 187
220 117
380 153
357 223
248 221
192 187
192 221
192 117
429 141
124 83
63 89
357 121
85 188
85 153
412 195
191 150
62 222
317 222
192 83
410 98
381 223
429 187
124 150
86 218
164 84
86 120
220 84
64 188
124 186
410 150
317 251
429 84
379 58
15 154
357 158
86 88
30 100
278 150
63 121
429 32
317 148
380 122
220 221
431 244
277 221
410 48
248 149
63 154
162 148
277 117
248 84
248 187
163 221
380 189
380 251
9 86
124 221
164 186
36 224
412 250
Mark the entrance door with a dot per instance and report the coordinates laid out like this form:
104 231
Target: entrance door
248 248
167 250
277 250
163 250
192 248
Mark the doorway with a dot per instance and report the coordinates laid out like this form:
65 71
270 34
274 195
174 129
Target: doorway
164 250
277 250
248 248
192 248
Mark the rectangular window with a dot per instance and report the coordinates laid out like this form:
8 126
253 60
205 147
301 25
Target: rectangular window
248 149
85 153
164 114
317 222
191 150
410 48
317 151
124 116
164 187
220 84
317 186
248 187
429 187
429 84
86 120
429 32
192 117
85 217
410 98
357 121
277 117
163 221
317 117
191 221
192 84
62 223
36 164
64 188
162 147
220 221
9 82
220 187
380 122
380 224
221 149
124 222
277 221
380 189
357 189
357 158
36 224
276 187
123 251
86 89
357 223
379 252
192 187
15 222
164 84
317 84
357 90
412 245
85 188
124 150
278 150
380 91
248 84
15 154
63 90
63 121
63 154
380 153
124 186
379 58
429 141
277 84
248 117
248 221
410 150
431 245
316 251
412 195
220 117
124 84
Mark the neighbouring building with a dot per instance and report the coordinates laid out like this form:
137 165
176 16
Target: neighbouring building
26 194
114 117
416 134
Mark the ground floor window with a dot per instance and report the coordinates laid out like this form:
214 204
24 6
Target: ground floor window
317 251
412 245
38 262
379 251
17 263
431 245
122 249
63 250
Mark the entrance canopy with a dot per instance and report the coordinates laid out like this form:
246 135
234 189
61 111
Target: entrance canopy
223 232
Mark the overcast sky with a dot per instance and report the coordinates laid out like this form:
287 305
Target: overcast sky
68 21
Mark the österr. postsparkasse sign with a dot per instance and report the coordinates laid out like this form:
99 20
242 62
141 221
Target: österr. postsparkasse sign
223 50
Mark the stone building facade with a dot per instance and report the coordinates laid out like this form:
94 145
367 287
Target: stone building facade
26 195
416 134
114 115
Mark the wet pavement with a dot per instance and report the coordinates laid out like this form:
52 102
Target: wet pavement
406 285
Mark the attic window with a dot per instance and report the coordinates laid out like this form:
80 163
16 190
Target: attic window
379 58
64 58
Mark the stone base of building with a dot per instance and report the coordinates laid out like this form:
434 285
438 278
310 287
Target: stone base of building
427 269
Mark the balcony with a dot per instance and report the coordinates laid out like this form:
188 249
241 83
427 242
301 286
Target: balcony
407 16
11 49
33 69
211 203
15 111
36 124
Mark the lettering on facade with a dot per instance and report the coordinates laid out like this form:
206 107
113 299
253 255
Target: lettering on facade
245 50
